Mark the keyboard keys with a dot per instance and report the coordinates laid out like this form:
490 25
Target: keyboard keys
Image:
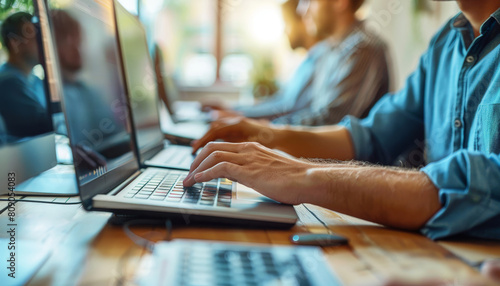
141 197
226 188
172 200
157 198
189 263
224 198
168 187
235 267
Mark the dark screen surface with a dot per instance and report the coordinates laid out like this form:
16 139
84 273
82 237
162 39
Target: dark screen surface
94 96
141 81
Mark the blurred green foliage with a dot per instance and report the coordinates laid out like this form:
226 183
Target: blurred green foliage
8 7
263 77
421 6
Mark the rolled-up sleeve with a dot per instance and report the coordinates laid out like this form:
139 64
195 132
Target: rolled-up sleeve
394 123
469 191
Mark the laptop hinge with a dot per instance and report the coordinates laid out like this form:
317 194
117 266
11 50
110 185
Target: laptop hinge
125 183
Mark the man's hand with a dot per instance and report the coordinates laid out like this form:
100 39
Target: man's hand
398 198
213 105
236 130
223 114
280 178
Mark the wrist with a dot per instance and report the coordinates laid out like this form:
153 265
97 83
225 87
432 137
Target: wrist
279 138
319 186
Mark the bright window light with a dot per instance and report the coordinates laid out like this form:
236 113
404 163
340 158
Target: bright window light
130 5
266 25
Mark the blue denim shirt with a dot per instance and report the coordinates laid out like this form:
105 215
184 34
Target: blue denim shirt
452 101
348 79
22 104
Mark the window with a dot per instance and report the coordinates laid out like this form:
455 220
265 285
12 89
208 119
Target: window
221 42
131 5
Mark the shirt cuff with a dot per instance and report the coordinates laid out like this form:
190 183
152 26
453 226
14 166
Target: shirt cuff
360 136
465 194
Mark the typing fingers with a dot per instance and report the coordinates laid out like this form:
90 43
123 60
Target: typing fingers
212 147
220 170
212 160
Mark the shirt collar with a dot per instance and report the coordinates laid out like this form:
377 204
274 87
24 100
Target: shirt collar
8 68
318 49
496 15
460 22
356 26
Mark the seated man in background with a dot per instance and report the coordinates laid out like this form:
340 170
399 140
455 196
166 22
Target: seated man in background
4 138
452 101
350 74
23 105
293 96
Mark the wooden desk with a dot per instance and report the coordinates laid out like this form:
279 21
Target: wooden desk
88 251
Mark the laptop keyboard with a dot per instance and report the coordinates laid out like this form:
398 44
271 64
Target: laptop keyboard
200 263
245 266
167 186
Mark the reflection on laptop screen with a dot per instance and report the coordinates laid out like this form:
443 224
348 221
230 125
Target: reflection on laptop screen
93 88
24 112
27 145
141 80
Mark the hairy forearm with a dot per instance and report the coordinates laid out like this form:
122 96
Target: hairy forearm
333 142
396 198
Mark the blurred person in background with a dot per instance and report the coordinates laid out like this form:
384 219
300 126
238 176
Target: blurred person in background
24 107
293 96
347 75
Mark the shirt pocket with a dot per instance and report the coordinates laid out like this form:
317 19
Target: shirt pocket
488 130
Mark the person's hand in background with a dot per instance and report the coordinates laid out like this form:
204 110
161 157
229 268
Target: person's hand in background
210 105
222 114
237 130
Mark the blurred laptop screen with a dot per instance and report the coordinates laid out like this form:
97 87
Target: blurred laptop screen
93 88
141 80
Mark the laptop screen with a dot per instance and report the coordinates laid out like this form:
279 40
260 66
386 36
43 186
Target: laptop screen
93 92
27 143
141 81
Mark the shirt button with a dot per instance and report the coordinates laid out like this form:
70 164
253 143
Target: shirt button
475 198
458 123
470 59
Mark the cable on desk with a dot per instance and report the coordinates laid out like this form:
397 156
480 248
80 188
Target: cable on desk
141 241
322 222
138 241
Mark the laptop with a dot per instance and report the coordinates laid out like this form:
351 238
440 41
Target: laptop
181 128
179 111
106 166
143 98
202 263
